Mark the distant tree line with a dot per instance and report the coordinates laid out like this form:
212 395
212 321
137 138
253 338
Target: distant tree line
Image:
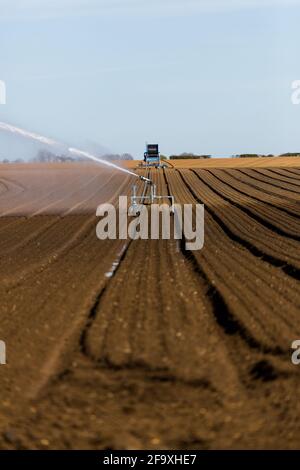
256 155
117 156
296 154
252 155
188 156
45 156
17 160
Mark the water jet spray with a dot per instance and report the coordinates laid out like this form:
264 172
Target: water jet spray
53 143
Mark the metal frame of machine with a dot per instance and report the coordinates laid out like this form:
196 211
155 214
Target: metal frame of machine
135 206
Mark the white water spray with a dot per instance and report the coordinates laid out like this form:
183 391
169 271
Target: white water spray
29 135
96 159
54 143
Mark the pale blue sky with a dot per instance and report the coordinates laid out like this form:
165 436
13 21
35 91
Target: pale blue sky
207 76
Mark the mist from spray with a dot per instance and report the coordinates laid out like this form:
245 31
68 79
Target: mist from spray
29 135
53 143
81 153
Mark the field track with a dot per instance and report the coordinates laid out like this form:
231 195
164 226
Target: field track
121 344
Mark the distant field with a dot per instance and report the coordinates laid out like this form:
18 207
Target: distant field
288 162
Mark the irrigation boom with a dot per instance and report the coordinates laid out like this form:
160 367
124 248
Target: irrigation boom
147 180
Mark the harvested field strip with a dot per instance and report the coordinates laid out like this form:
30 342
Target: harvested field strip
260 162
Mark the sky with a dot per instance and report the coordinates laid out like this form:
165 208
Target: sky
202 76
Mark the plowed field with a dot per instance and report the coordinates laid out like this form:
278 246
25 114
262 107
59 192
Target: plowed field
125 344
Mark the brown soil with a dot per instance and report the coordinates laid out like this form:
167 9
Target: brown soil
185 350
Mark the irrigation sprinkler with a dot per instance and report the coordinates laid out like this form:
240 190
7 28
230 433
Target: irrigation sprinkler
147 180
148 196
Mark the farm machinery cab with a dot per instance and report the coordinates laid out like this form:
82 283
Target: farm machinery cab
152 156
